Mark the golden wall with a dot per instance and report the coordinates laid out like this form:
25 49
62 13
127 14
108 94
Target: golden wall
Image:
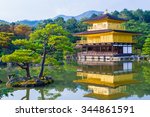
111 38
106 25
122 38
107 78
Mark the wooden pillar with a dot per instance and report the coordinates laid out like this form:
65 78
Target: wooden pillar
105 48
86 49
81 48
112 49
100 49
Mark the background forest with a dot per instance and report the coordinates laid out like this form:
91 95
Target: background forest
139 21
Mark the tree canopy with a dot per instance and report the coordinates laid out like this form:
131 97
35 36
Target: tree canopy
22 31
5 39
146 47
47 45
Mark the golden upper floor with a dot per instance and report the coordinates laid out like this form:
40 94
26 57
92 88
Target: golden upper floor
106 21
106 25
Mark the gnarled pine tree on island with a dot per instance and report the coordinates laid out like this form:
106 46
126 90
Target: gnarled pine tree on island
47 45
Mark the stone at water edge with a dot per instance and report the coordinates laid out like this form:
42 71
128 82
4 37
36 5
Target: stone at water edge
48 78
39 82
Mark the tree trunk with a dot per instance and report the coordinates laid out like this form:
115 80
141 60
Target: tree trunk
28 70
26 97
43 61
28 94
25 66
42 94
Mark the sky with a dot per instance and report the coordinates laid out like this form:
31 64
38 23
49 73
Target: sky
14 10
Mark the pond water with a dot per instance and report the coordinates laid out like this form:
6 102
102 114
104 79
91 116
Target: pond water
87 81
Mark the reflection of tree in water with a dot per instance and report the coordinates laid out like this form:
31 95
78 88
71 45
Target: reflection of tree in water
143 88
27 96
51 96
63 79
58 87
146 73
42 92
4 92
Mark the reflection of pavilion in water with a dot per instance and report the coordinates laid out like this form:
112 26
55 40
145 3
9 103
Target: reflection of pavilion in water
107 81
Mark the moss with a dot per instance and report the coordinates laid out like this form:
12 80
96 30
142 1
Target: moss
31 83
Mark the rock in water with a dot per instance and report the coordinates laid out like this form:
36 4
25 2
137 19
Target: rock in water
48 78
39 82
1 81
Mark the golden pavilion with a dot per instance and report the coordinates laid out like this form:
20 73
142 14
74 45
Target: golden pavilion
105 39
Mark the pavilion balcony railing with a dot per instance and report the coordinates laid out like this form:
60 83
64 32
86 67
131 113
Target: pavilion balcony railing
91 28
95 41
81 42
101 27
93 53
89 41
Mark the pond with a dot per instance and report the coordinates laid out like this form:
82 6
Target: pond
86 81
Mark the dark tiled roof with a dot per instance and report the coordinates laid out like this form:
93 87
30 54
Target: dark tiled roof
108 16
104 31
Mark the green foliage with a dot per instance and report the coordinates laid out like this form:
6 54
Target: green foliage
21 56
48 45
137 15
60 21
146 73
5 39
71 26
141 27
43 23
11 32
5 42
27 44
55 44
56 41
5 91
146 47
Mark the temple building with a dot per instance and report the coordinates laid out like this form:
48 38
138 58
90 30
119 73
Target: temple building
105 39
107 81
